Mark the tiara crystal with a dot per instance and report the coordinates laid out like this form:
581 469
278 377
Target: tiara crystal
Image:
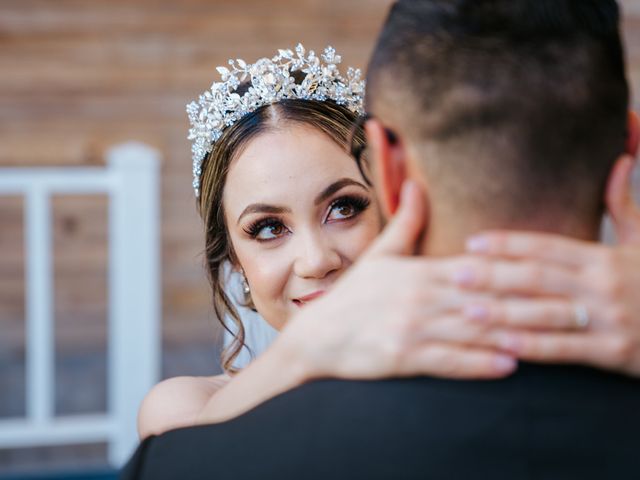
269 80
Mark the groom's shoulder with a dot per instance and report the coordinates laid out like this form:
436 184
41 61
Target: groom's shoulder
552 400
539 417
531 385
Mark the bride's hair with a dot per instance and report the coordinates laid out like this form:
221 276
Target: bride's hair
336 121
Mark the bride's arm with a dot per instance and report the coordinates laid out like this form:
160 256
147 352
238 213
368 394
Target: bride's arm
354 334
348 337
402 324
275 371
389 316
176 402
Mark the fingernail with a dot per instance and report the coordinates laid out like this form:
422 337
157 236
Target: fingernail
504 363
510 343
478 244
630 162
408 188
464 277
478 313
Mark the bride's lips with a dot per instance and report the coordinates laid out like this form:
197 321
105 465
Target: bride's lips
301 301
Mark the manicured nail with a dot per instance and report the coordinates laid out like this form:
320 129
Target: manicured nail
409 188
504 363
478 313
631 162
464 277
511 343
478 244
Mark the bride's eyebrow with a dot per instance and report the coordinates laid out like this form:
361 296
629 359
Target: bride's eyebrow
326 193
336 187
263 208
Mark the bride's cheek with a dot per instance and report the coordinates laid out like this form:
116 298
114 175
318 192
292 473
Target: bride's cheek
361 236
267 274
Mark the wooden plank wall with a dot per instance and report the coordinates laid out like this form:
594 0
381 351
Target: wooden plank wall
80 76
77 76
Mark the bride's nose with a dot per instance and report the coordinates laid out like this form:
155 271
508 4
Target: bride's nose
316 256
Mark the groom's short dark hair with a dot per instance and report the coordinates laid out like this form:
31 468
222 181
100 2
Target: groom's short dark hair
515 105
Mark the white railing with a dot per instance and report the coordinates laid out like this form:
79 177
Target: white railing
131 182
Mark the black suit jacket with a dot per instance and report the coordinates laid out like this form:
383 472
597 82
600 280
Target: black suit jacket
544 422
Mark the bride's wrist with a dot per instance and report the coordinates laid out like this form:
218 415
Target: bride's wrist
294 353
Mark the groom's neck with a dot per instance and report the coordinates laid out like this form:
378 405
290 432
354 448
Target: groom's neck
448 235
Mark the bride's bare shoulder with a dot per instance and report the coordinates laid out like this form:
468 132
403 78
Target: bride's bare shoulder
176 402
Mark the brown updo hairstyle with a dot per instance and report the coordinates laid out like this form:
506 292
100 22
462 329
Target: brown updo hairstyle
336 121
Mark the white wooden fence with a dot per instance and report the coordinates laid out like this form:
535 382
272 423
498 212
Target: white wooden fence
131 182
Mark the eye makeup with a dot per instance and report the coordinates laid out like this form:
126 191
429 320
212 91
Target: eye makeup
343 208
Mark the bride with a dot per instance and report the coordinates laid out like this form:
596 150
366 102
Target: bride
287 210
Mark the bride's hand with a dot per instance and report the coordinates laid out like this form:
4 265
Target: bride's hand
390 315
395 315
588 282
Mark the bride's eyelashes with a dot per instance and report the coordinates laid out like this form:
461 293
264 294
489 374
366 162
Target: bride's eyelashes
347 207
342 209
266 229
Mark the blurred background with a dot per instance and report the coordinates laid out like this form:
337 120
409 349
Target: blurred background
79 77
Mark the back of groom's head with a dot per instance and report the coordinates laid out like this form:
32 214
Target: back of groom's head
516 107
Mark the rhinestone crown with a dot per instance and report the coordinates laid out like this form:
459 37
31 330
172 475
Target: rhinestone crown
270 80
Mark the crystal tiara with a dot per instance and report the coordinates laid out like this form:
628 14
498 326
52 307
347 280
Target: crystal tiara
269 80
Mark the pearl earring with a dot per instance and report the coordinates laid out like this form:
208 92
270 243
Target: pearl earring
245 285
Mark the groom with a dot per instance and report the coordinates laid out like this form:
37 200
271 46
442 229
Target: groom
508 114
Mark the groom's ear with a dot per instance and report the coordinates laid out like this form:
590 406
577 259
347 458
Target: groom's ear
389 160
633 134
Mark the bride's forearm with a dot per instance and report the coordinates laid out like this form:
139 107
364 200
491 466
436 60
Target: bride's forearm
277 370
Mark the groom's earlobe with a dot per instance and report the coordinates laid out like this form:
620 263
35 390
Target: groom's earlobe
633 134
389 162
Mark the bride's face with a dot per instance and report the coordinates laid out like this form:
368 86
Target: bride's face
298 214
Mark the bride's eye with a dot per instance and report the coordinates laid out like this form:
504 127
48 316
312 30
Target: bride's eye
347 207
267 229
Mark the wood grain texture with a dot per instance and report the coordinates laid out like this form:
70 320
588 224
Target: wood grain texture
78 76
